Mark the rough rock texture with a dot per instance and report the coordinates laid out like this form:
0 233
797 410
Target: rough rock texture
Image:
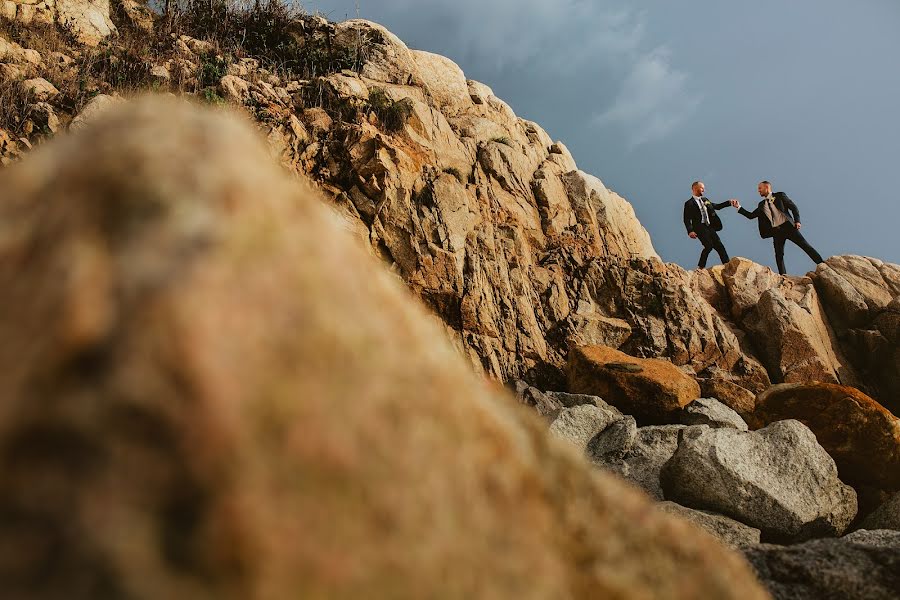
886 516
863 565
784 318
492 224
739 399
651 449
580 424
777 479
651 390
614 442
862 298
193 409
95 107
87 21
860 434
709 411
728 531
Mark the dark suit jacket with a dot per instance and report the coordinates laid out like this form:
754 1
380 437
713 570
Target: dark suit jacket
784 204
693 220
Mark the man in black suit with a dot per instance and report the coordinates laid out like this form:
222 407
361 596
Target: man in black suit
778 218
702 223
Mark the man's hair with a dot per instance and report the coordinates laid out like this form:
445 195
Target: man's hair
695 184
765 182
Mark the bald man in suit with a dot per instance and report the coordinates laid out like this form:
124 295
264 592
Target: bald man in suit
702 223
778 218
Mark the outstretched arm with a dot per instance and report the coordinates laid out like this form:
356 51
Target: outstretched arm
747 213
722 205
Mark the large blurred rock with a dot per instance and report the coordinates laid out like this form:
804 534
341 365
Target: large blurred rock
194 409
864 565
861 436
777 479
649 389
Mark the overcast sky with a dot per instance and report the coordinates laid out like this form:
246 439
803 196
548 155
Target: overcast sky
652 95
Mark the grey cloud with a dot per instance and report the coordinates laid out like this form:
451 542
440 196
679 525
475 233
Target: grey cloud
653 101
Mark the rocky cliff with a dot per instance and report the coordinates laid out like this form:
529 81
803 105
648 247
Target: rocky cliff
492 224
538 274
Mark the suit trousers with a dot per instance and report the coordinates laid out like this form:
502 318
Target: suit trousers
788 232
710 240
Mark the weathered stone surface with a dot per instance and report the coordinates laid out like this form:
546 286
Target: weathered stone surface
746 282
95 107
861 296
137 14
649 389
614 442
444 80
184 364
572 400
619 232
530 396
794 337
865 279
864 565
234 89
740 400
39 89
580 424
861 436
728 531
384 56
709 411
87 21
886 516
44 117
11 52
652 448
777 479
668 318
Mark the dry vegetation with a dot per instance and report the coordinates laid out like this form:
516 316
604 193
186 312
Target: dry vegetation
271 32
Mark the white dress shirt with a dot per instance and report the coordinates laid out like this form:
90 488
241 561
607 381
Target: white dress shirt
704 216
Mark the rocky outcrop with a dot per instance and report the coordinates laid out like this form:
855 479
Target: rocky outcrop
183 364
777 479
711 412
614 442
860 434
864 564
784 318
643 461
87 21
862 298
580 424
728 531
652 390
492 224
